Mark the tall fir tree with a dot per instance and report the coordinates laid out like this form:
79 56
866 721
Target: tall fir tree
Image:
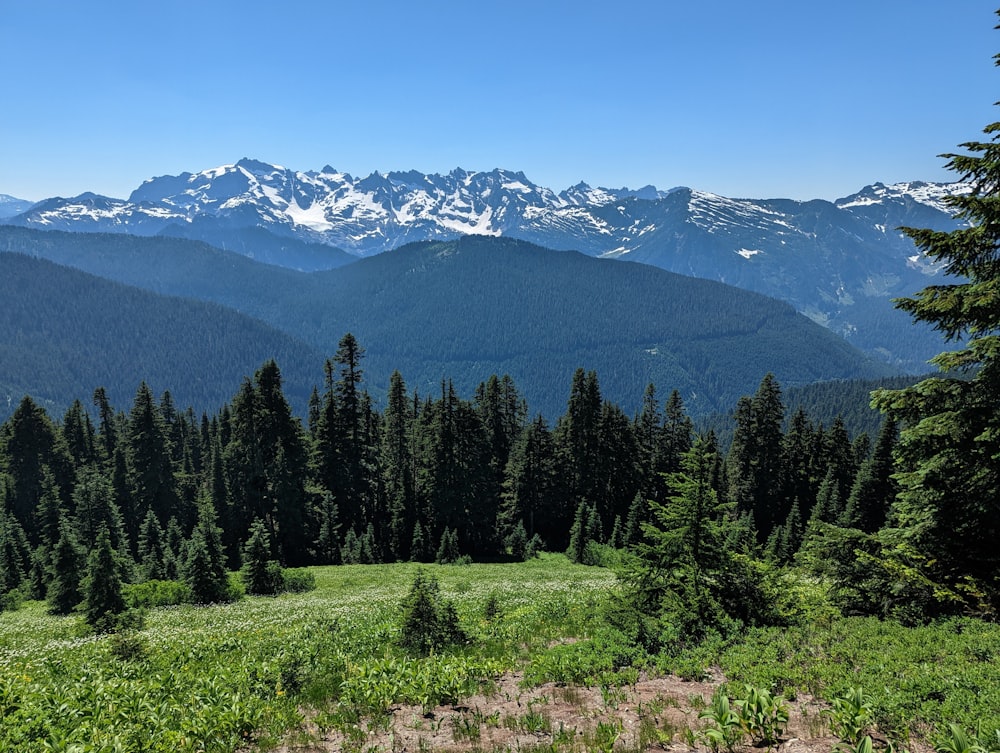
152 484
754 462
948 456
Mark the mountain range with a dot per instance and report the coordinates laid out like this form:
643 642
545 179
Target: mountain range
840 263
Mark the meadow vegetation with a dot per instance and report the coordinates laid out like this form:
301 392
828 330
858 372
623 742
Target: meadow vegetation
329 664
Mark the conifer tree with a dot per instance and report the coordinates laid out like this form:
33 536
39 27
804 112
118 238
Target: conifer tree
78 433
152 549
578 533
63 591
874 487
532 493
152 484
108 430
683 553
946 513
328 541
448 551
37 463
15 555
101 587
204 568
260 573
397 467
418 544
754 463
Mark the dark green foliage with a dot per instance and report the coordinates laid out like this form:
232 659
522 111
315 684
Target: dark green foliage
419 550
684 575
118 336
532 318
429 621
874 487
754 462
39 469
448 552
151 480
261 574
15 554
532 491
265 465
63 591
517 542
946 521
578 533
153 554
328 541
101 586
204 568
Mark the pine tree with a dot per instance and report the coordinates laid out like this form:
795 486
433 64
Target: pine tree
204 568
101 586
397 467
418 544
261 573
328 541
946 512
152 484
37 462
15 555
578 534
63 591
532 493
448 551
874 487
339 452
754 463
152 553
78 433
683 552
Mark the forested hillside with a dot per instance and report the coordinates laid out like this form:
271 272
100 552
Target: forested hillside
466 309
63 329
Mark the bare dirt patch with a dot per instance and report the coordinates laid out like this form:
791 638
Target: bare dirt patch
658 713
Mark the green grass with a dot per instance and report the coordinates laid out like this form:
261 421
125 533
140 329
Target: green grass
218 678
914 678
229 677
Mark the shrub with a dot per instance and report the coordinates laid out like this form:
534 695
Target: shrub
157 593
297 580
429 621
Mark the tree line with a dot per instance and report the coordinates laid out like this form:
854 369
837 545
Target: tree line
429 478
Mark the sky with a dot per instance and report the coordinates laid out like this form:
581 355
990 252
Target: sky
763 99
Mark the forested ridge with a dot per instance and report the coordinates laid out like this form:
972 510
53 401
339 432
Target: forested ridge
63 328
462 310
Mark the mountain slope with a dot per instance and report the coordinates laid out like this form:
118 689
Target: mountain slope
63 333
11 205
468 308
539 314
840 263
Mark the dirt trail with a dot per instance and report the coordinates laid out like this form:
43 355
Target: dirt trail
655 714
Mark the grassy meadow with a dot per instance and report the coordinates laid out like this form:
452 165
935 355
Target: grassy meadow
242 676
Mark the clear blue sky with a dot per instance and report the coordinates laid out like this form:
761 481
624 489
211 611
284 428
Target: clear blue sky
769 98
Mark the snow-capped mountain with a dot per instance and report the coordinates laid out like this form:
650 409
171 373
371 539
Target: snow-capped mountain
839 262
11 205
